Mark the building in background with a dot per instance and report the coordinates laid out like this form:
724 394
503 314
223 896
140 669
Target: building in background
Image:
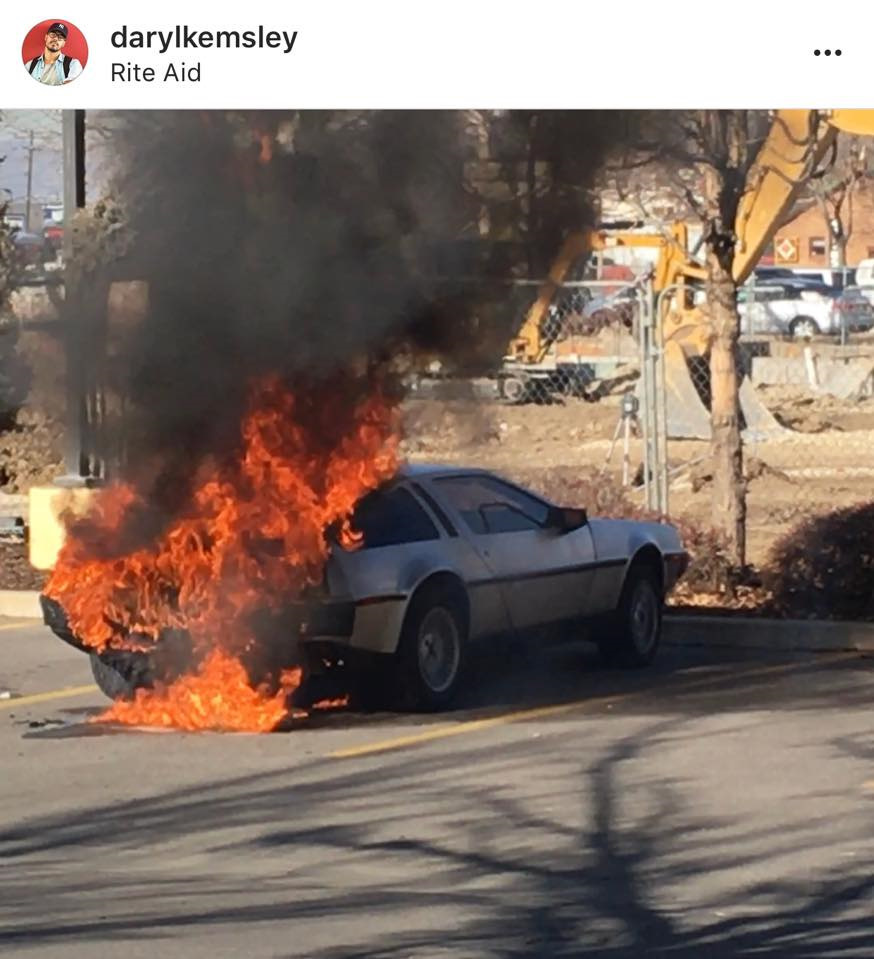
804 240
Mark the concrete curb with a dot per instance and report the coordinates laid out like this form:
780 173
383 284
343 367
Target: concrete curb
20 603
748 632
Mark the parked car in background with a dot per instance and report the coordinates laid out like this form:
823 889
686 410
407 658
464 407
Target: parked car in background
30 249
837 279
802 309
865 279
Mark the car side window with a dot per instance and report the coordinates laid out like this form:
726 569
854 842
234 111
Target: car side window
503 518
391 517
488 505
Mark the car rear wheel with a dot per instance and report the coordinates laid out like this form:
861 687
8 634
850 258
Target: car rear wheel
804 327
119 675
109 680
631 638
431 654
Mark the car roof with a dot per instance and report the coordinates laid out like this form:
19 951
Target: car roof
415 470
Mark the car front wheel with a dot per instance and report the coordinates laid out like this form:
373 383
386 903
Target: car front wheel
631 637
431 654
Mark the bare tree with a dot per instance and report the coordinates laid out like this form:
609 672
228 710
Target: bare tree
7 264
850 164
705 159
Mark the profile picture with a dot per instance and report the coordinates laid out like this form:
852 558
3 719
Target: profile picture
54 52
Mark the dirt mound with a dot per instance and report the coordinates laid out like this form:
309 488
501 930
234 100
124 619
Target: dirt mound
801 410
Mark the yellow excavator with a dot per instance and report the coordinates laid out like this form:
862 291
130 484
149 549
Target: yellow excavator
795 146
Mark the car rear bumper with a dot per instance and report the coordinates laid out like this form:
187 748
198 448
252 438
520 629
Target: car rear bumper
55 618
297 621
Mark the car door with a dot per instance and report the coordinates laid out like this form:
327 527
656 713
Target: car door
545 576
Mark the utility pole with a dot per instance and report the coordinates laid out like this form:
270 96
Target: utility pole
28 212
76 472
46 506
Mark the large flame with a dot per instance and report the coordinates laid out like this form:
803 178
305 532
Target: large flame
218 696
253 537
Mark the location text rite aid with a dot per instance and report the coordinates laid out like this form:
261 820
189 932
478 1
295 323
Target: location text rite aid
186 38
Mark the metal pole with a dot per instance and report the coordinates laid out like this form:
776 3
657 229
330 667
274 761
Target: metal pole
28 212
653 427
662 403
645 399
73 127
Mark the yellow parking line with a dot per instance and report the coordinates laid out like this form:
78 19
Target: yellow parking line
19 623
47 697
445 730
474 725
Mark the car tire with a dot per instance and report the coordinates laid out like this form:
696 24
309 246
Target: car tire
432 651
632 634
119 674
109 680
804 327
515 390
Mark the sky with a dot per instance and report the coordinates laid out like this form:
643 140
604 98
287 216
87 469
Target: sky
15 128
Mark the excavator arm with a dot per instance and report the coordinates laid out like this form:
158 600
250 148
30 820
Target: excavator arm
531 344
795 147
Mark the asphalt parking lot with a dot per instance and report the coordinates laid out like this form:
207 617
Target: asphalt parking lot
720 804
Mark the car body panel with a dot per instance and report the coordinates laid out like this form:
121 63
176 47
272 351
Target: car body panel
617 544
542 575
514 579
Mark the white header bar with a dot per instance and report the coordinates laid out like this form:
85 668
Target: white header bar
452 54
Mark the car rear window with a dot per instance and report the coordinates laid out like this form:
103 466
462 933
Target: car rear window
391 517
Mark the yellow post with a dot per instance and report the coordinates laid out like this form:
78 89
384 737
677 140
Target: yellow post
48 505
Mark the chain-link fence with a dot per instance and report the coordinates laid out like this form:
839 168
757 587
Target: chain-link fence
806 359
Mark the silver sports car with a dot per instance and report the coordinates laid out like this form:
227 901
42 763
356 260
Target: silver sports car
451 557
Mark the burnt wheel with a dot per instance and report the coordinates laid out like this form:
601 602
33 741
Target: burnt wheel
632 634
119 674
110 681
432 650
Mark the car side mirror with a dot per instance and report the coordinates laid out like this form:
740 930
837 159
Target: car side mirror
565 519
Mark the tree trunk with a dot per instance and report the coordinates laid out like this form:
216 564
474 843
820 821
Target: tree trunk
729 487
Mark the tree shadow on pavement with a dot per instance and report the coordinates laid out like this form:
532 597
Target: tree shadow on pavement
532 849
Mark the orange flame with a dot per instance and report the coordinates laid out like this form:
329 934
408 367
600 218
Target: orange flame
253 538
217 697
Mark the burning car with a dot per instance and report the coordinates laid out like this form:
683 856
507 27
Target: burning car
442 558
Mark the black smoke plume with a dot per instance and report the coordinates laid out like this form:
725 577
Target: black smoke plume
306 244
